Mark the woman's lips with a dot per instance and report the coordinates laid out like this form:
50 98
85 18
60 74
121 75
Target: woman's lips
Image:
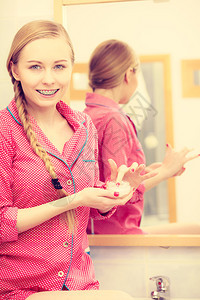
47 92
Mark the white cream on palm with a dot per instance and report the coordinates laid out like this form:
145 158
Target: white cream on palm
123 189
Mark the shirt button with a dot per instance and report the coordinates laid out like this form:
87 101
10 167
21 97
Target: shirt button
69 182
65 244
60 273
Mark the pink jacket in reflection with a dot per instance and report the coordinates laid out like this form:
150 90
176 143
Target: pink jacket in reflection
117 139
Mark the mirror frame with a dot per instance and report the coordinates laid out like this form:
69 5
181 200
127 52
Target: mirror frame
151 240
141 240
189 89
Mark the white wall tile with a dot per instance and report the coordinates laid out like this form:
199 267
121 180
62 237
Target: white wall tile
129 269
128 277
174 253
118 253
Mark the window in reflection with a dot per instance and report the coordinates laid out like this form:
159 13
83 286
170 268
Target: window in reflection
190 78
80 81
153 139
196 77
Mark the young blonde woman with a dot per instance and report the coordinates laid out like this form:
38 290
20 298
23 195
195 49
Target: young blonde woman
113 69
48 176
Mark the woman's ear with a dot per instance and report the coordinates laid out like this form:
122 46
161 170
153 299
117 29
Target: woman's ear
128 74
14 70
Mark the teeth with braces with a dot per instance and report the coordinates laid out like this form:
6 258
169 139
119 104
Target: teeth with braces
47 92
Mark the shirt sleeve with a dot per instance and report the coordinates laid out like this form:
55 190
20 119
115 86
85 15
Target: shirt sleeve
115 144
8 213
94 213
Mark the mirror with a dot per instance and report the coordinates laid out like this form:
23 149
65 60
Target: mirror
68 12
147 110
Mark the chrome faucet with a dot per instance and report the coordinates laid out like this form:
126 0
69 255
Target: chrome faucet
162 288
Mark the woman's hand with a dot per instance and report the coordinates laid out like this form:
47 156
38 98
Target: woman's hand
101 199
130 174
174 161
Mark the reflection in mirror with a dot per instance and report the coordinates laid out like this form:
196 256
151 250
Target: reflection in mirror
149 37
147 110
155 73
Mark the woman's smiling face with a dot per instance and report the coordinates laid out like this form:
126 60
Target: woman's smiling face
44 69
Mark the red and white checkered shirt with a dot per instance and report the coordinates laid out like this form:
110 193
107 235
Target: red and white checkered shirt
46 256
117 139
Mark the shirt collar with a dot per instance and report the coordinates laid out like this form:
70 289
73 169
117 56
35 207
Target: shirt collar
62 107
99 100
12 108
75 119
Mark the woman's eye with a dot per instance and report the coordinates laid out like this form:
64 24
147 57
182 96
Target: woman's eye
35 67
59 67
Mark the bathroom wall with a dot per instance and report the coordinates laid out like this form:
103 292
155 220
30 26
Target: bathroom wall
129 269
14 14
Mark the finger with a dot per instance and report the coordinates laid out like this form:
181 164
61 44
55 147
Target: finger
113 169
148 175
148 169
192 157
132 169
186 150
139 169
134 177
134 166
111 194
122 170
105 193
125 199
169 146
180 172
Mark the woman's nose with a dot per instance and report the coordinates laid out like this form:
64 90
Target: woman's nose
48 77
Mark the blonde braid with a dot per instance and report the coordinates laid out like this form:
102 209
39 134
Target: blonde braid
37 148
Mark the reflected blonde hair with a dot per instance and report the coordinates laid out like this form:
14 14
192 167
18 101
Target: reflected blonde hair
109 63
30 32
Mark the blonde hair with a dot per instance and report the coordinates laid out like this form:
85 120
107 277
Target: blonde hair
109 62
28 33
